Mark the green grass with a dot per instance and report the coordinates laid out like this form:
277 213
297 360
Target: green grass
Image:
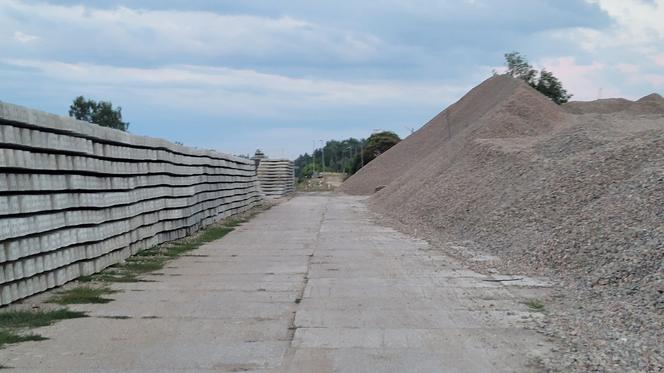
7 337
535 305
81 295
33 319
12 320
153 251
213 233
143 264
232 223
179 249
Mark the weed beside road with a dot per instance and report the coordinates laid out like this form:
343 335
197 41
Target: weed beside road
82 295
14 324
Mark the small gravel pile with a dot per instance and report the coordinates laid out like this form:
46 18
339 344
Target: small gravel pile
573 192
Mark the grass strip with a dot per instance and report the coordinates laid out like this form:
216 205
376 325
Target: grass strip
7 337
82 295
33 319
143 264
214 233
10 321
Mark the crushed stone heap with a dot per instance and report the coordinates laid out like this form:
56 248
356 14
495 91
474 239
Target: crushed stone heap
573 191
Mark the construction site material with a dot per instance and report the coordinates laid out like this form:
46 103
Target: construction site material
76 198
276 177
574 191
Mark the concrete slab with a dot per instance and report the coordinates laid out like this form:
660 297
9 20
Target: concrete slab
312 285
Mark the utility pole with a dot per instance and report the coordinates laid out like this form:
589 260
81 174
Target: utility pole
362 154
313 160
322 155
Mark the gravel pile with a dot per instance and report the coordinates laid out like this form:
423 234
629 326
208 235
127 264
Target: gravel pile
403 157
573 192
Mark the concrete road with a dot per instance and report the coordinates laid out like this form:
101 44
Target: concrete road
312 285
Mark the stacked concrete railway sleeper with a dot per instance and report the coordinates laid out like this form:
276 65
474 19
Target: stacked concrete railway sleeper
276 177
76 198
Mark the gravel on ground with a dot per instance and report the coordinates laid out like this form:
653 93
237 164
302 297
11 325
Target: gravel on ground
575 192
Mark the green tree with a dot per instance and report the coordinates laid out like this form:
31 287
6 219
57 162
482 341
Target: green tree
101 113
345 155
338 155
545 82
518 67
550 86
307 171
377 144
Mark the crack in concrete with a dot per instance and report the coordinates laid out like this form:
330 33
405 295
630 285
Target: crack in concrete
292 328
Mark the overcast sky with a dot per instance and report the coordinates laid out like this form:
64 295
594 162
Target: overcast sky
277 75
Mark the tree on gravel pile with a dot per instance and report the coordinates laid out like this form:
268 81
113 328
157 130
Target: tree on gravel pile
377 144
545 82
101 113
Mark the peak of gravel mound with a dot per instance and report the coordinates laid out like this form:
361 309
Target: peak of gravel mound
651 104
653 97
508 97
575 192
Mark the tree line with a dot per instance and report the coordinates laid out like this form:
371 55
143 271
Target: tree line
345 156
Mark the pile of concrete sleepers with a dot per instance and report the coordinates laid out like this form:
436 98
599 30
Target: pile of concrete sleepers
276 177
76 198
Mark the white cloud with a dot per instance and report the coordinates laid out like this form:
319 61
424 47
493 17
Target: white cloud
585 81
235 90
637 21
637 25
637 28
626 52
633 74
163 33
655 79
24 38
589 81
588 39
659 59
628 68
